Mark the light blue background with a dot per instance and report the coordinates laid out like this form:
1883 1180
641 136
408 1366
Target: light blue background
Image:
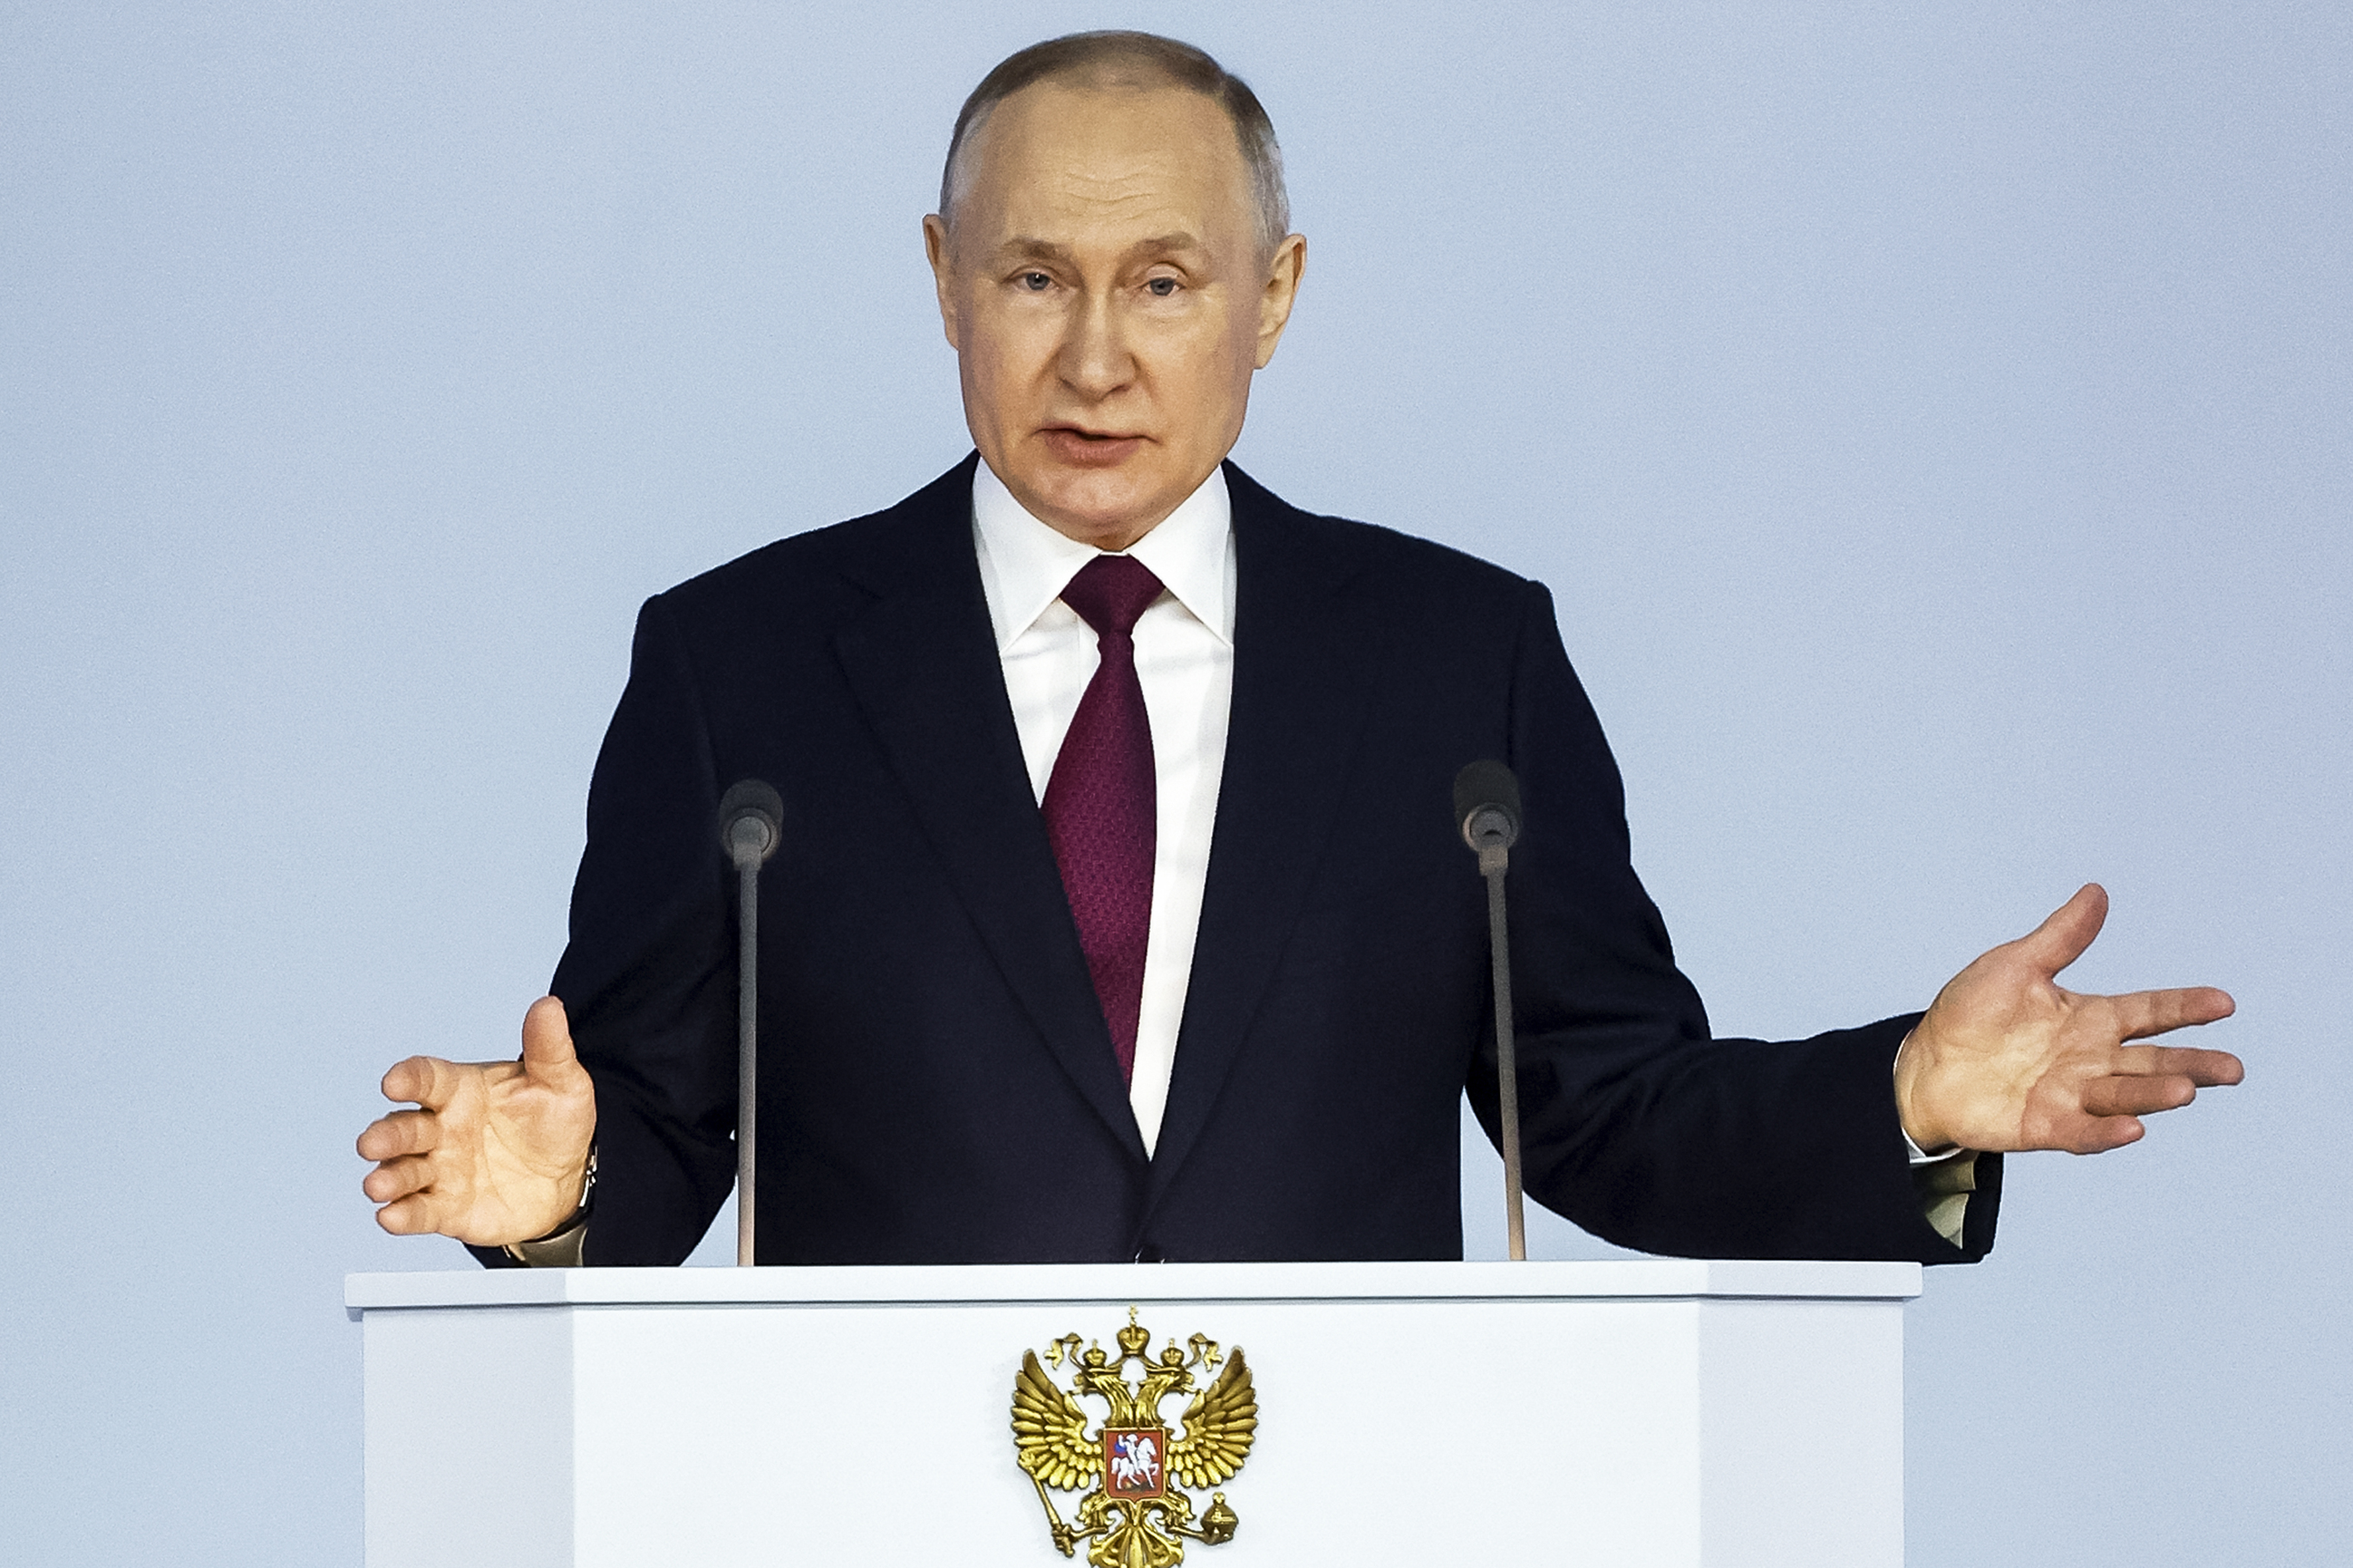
1938 417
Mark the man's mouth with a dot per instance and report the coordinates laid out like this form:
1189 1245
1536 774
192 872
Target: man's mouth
1091 448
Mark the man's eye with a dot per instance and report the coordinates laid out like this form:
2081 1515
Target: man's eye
1036 282
1161 287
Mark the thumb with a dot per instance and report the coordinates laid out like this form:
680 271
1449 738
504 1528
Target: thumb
547 1039
2061 940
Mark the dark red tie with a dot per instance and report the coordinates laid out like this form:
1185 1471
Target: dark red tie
1102 801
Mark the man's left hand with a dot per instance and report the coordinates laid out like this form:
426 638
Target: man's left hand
2007 1059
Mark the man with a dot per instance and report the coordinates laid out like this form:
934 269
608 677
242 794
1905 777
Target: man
1119 914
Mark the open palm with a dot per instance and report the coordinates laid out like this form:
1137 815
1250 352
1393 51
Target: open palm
2007 1059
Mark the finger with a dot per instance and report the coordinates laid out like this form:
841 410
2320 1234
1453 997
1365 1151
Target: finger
2097 1135
397 1178
411 1215
2137 1096
2140 1013
547 1039
402 1133
2206 1070
2061 940
427 1081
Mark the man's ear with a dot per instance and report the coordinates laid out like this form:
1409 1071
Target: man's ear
936 251
1282 292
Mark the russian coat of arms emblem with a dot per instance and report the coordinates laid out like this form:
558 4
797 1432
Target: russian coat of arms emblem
1137 1514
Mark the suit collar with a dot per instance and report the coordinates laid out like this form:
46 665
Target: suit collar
922 660
1307 654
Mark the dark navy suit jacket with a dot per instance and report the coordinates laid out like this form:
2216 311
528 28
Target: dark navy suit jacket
936 1081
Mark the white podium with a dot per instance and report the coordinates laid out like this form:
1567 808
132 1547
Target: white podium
1621 1413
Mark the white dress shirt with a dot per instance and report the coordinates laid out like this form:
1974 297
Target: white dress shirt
1184 662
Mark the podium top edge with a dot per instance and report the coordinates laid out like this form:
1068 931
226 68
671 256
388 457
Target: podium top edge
1124 1283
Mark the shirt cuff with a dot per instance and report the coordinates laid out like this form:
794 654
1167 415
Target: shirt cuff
1944 1178
1944 1185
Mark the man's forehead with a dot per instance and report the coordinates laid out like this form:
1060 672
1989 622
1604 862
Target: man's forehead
1162 157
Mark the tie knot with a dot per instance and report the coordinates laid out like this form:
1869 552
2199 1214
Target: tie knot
1110 592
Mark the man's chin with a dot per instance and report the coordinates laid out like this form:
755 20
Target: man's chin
1110 508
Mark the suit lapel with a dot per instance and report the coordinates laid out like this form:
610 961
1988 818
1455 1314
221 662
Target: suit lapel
921 661
1305 660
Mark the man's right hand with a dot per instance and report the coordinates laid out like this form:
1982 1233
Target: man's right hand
496 1151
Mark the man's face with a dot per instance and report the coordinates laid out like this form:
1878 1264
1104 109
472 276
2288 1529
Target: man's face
1108 299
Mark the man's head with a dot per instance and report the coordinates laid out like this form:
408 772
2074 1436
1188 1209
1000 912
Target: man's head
1113 264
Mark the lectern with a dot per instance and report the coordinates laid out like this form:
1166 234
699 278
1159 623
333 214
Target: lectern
1625 1413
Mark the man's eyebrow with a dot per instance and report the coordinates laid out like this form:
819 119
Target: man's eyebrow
1180 240
1034 249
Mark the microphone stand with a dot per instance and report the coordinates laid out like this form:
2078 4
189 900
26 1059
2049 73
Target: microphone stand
1487 809
751 825
1493 860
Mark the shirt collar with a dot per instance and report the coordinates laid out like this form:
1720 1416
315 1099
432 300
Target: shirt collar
1025 564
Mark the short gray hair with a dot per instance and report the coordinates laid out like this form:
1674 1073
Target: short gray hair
1132 59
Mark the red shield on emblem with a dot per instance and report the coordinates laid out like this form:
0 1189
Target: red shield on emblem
1135 1461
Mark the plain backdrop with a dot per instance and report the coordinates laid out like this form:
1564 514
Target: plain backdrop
1937 414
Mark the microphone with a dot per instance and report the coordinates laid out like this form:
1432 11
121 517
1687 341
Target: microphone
1487 814
1487 808
751 820
751 826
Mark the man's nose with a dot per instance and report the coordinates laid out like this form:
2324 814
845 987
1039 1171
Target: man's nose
1095 360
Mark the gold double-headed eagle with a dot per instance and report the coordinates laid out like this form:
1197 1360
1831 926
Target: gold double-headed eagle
1135 1518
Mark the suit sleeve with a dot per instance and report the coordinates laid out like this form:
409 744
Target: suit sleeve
1636 1123
649 976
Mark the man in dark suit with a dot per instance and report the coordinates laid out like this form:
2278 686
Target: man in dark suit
1120 914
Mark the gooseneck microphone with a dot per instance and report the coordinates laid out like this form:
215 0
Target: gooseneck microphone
751 825
1487 812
